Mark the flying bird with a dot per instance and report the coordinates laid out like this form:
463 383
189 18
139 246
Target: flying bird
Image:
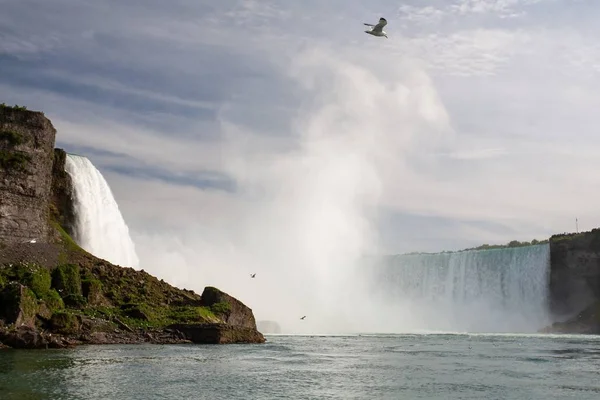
303 317
377 30
252 275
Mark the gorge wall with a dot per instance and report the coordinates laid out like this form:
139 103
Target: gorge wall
27 141
575 280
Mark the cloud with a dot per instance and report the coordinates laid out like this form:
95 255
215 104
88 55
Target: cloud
278 138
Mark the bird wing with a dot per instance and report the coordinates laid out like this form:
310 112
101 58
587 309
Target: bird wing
379 27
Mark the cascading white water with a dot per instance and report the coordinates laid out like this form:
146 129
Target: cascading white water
500 290
99 225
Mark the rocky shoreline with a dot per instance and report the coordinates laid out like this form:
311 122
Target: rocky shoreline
27 337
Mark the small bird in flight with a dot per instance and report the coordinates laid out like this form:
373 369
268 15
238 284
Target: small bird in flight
377 30
252 275
303 317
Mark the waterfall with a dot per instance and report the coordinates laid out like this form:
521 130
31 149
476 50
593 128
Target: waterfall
99 225
500 290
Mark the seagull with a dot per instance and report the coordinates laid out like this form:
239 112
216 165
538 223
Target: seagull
252 275
377 30
303 317
31 241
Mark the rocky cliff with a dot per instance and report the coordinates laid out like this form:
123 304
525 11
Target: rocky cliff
55 294
26 158
575 282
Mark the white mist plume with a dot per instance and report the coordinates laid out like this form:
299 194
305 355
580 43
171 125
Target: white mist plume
304 213
99 225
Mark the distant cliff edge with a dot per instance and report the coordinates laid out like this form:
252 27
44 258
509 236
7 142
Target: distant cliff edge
55 294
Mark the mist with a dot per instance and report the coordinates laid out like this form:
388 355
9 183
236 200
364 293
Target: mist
305 212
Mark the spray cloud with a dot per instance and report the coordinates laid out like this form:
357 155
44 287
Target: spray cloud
304 215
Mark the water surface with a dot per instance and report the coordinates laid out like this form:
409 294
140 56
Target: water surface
435 366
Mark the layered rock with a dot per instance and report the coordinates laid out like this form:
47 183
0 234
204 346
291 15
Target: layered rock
26 157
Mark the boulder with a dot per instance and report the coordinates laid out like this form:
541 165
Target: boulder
18 305
23 337
229 309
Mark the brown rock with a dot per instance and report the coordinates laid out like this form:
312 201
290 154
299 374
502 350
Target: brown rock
26 156
18 305
218 333
229 309
23 337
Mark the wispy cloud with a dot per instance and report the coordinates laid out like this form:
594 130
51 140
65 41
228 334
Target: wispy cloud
248 135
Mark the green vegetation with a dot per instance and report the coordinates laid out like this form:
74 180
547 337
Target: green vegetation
220 308
3 106
595 234
64 322
36 278
11 138
13 160
509 245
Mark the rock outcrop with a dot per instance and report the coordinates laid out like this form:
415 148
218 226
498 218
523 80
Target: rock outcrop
575 282
236 321
26 156
55 294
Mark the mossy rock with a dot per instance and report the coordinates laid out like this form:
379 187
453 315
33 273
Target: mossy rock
221 307
138 311
64 322
92 290
18 305
34 276
53 300
66 279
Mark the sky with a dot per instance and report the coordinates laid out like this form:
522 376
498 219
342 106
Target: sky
273 132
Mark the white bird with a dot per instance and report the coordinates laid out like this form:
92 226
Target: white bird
377 30
31 241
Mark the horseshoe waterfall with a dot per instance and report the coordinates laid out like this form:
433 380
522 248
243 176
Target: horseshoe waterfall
500 290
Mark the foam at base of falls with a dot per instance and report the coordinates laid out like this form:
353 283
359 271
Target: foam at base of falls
501 290
99 225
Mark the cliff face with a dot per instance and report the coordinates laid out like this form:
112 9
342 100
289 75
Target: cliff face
62 206
55 294
26 157
575 272
575 282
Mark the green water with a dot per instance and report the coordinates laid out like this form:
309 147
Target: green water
319 367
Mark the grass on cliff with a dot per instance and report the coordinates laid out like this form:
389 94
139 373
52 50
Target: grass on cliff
11 138
15 107
12 160
37 278
83 285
